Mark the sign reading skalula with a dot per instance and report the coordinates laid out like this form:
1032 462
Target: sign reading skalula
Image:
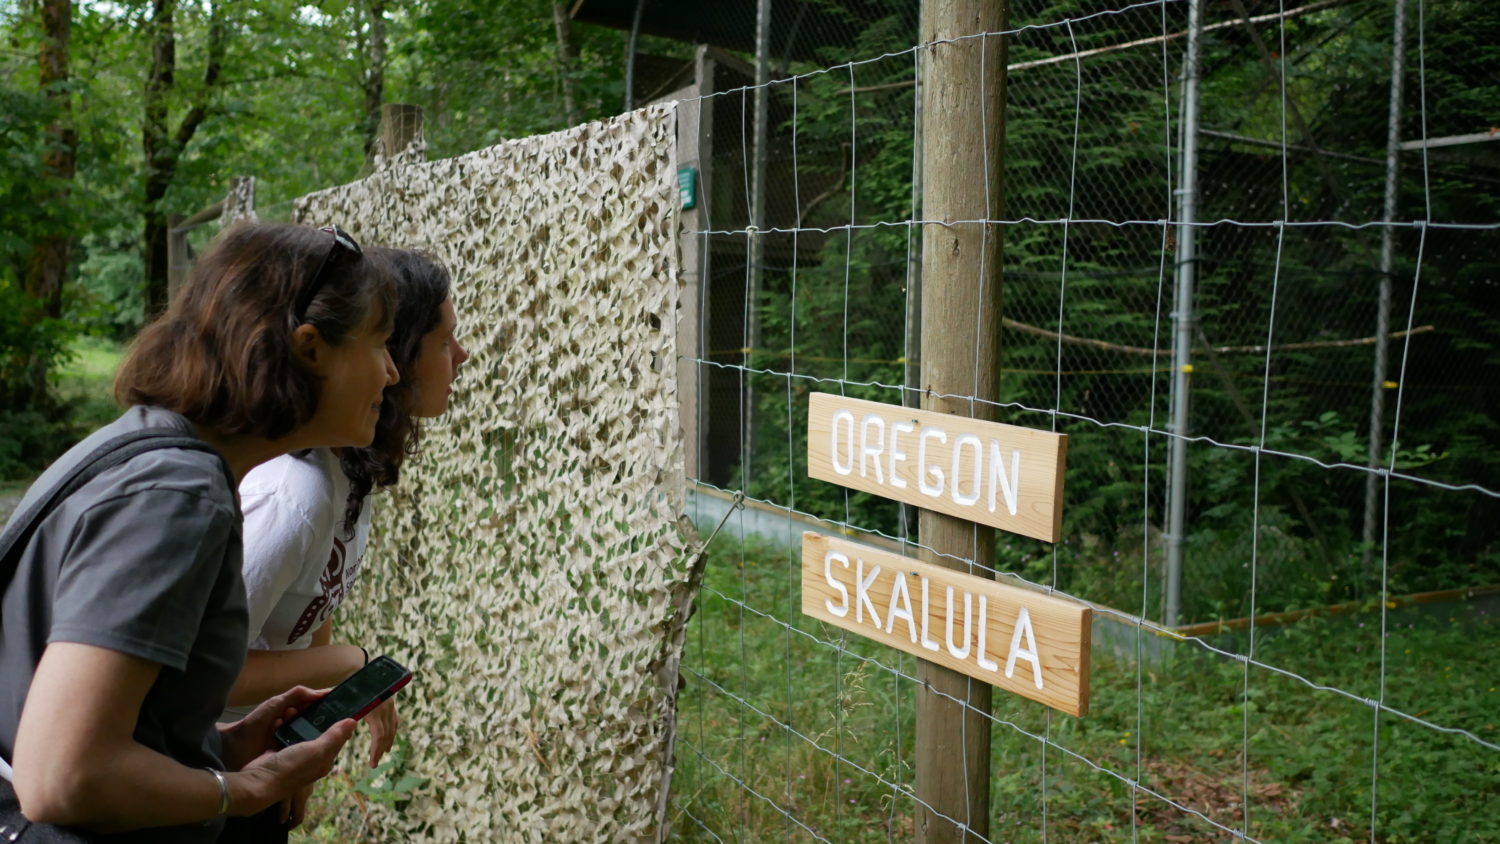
1026 642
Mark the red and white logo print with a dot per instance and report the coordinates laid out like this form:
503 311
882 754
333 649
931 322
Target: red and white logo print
332 583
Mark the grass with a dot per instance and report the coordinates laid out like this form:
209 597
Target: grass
783 736
1199 729
85 380
31 438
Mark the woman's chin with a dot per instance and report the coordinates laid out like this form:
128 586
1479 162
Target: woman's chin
359 439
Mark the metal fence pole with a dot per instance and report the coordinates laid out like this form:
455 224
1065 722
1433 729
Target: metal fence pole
635 33
757 253
1182 315
1387 260
911 368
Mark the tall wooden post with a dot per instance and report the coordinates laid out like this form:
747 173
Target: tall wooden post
963 97
400 124
695 124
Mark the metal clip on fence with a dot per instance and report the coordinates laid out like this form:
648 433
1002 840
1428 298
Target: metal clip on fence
737 504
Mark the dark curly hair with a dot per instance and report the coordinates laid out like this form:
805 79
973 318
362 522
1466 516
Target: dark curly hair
422 284
221 354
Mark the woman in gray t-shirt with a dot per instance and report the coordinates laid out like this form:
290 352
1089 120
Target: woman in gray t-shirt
124 626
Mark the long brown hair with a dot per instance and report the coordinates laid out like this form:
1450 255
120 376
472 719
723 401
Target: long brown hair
422 285
221 354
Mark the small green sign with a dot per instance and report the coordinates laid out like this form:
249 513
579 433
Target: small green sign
687 186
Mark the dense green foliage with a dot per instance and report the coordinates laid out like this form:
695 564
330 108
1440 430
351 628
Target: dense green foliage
839 315
288 106
289 110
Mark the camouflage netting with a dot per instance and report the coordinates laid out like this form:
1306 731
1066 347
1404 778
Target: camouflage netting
525 566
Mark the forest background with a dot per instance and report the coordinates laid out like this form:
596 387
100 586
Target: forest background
115 115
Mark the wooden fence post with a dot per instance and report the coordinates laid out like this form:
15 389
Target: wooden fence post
695 118
239 203
400 124
963 95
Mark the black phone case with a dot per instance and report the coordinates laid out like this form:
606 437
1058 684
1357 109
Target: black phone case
286 736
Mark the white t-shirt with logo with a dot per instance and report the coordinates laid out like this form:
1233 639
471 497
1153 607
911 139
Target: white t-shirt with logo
300 563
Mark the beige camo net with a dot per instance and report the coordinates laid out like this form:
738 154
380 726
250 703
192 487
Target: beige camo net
528 565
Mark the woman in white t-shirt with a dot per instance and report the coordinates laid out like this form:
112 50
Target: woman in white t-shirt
307 514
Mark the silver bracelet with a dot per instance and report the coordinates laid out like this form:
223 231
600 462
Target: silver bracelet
223 790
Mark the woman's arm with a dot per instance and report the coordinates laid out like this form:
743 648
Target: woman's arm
77 762
267 673
323 635
383 722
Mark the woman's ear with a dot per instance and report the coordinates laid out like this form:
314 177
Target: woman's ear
308 346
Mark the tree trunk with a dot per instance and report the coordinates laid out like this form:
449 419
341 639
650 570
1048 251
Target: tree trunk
156 149
566 60
161 147
46 267
48 264
373 82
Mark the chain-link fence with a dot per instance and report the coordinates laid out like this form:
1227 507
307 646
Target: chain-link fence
840 188
794 728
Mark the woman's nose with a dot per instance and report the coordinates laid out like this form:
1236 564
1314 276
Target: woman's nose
392 375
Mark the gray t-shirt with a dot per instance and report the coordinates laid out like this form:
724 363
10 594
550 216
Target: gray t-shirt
143 560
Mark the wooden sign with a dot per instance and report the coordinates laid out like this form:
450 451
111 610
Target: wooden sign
1024 642
999 475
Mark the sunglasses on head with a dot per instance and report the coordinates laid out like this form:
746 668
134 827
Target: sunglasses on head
341 240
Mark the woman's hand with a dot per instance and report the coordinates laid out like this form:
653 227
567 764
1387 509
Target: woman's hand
383 722
77 762
254 734
269 775
272 777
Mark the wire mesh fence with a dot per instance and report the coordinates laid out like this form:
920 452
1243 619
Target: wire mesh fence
1334 719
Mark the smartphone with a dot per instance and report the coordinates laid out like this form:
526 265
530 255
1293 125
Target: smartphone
365 689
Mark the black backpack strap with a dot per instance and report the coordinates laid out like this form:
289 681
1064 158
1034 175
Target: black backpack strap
107 455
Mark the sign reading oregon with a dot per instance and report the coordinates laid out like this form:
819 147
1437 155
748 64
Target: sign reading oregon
1025 642
999 475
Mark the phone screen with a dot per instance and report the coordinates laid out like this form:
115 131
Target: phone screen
348 698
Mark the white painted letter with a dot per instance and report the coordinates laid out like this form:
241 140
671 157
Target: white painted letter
957 652
958 450
865 450
927 641
984 626
1009 483
1023 626
924 469
862 586
895 455
900 591
833 442
843 608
